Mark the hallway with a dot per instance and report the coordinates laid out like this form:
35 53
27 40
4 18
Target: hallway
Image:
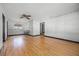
24 45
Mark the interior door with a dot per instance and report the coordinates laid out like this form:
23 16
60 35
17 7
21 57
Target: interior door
42 28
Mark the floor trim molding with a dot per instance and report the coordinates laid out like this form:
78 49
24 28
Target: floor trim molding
34 35
62 39
17 34
24 34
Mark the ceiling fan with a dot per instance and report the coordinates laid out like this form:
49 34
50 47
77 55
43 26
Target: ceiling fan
26 16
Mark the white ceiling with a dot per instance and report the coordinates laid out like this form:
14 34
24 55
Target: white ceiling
39 10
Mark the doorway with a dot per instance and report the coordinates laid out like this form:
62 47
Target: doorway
3 18
42 28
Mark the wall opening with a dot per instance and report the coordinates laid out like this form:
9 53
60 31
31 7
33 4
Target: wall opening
3 18
42 28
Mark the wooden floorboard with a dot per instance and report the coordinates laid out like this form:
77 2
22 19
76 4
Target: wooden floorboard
24 45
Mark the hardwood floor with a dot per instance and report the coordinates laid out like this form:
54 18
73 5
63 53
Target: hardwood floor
24 45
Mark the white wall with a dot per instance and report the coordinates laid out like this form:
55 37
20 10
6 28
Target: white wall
36 27
31 27
65 26
1 28
1 25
